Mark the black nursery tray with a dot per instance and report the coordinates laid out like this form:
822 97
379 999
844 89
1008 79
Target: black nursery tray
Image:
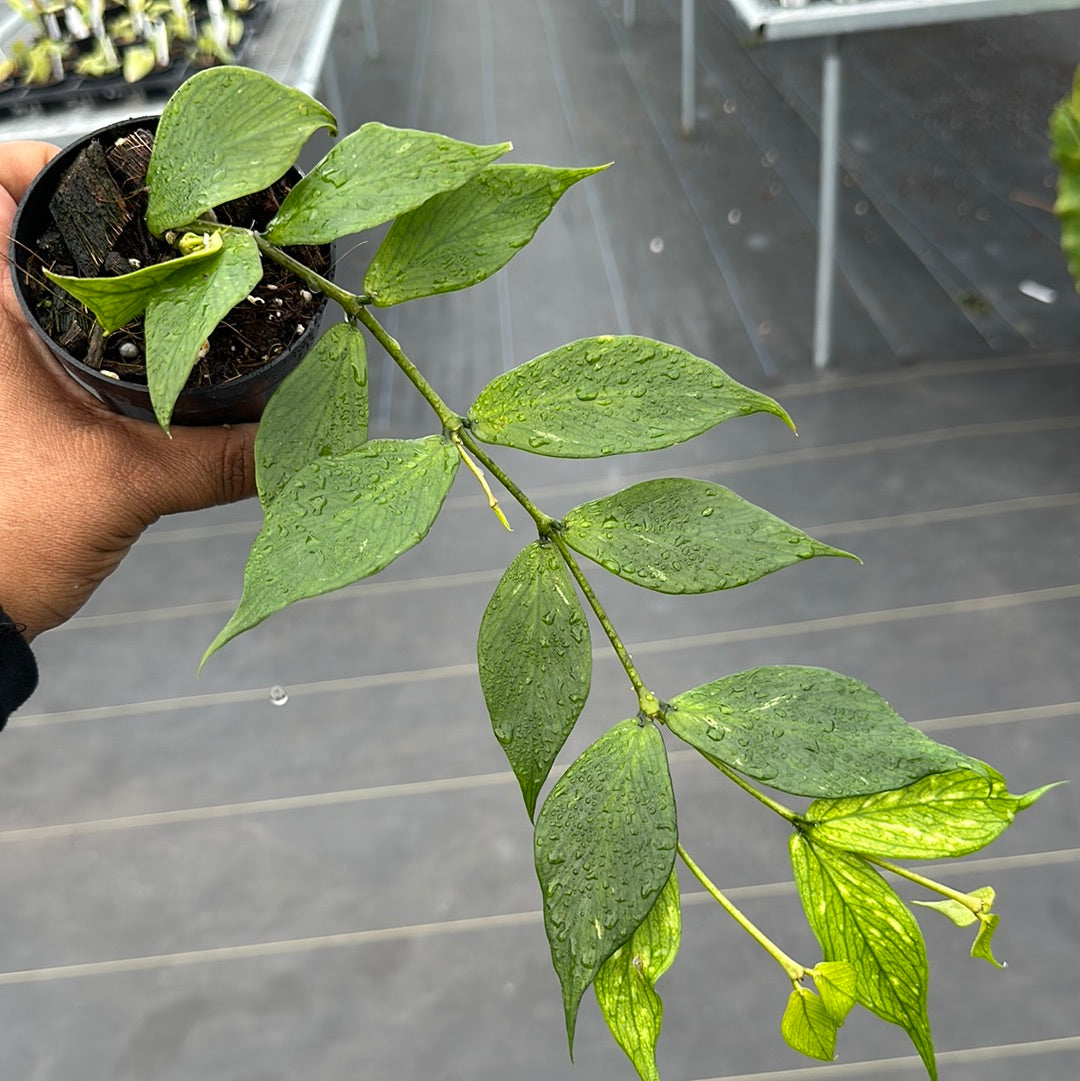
16 100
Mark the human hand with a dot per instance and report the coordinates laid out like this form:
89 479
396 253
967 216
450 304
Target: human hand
78 482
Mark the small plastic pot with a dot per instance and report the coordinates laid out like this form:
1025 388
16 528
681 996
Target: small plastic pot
235 402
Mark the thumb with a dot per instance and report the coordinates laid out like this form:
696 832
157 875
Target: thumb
197 468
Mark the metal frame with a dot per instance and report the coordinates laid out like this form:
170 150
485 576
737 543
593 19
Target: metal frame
765 21
293 47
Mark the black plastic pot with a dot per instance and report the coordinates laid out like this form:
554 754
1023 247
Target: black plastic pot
234 402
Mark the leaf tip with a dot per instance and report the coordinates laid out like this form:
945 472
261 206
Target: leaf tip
1028 798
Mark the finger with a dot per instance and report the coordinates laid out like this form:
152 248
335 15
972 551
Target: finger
21 162
196 468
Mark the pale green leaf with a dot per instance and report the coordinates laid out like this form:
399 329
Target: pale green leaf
461 237
228 131
1065 147
965 915
319 411
610 395
139 61
183 310
604 848
115 301
836 982
980 948
626 983
341 519
371 176
807 731
808 1027
535 662
960 914
858 918
678 535
943 814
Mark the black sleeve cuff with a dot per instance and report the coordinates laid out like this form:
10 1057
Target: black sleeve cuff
18 670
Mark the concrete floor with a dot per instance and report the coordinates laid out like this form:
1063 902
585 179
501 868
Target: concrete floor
198 883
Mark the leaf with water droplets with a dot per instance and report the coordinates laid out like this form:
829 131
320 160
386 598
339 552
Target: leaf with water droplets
807 1025
341 519
809 732
943 814
604 847
678 535
535 662
184 309
116 300
371 176
858 918
228 131
626 983
461 237
614 394
319 411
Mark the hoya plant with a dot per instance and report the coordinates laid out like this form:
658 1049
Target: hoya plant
860 790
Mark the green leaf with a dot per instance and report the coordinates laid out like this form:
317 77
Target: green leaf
625 984
319 411
461 237
610 395
371 176
183 310
535 662
115 301
944 814
341 519
964 916
858 918
836 982
228 131
604 847
139 61
1065 148
678 535
808 1027
959 913
980 948
807 731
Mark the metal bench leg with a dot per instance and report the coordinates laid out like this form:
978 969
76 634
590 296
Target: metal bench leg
830 157
689 108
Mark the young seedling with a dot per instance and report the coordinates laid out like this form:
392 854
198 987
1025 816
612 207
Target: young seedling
339 507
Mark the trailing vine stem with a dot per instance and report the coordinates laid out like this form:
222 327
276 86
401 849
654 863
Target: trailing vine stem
356 307
794 971
975 904
785 813
648 703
